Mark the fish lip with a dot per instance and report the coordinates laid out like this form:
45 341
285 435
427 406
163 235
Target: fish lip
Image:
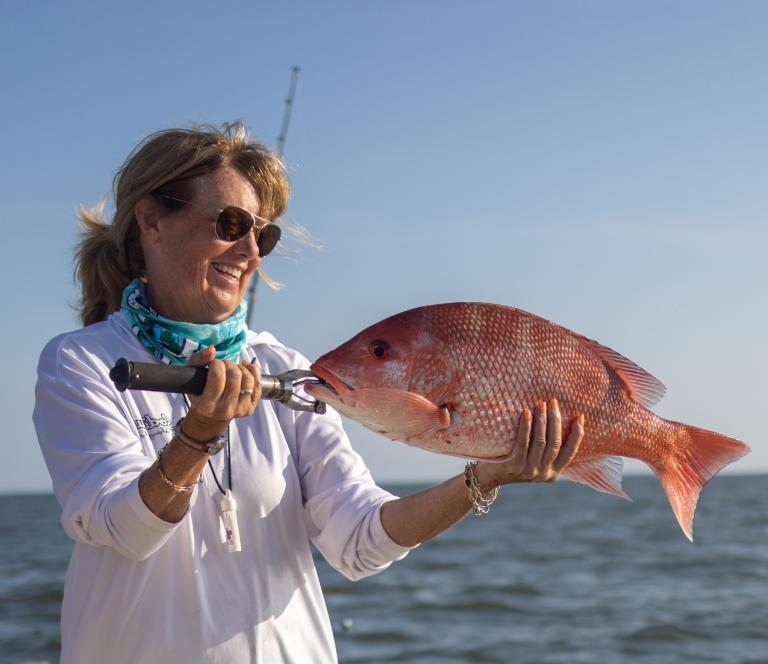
331 383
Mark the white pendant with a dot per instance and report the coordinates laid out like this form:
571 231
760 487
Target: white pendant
228 507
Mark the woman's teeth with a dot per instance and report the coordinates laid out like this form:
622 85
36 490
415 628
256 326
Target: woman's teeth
228 269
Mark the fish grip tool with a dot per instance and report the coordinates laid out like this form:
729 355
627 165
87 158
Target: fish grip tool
154 377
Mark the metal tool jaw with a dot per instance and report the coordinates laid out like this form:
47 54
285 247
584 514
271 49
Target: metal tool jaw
283 388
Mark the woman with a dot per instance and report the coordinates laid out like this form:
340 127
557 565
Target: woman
192 520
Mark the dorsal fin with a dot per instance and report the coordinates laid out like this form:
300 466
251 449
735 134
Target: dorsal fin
641 386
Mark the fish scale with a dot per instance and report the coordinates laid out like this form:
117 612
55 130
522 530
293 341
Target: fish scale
455 378
525 358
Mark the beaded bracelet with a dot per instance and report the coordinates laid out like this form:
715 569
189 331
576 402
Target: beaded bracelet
178 488
480 503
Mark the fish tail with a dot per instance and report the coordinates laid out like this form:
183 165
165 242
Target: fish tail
699 456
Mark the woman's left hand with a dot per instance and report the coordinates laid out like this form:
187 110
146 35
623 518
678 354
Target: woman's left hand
539 455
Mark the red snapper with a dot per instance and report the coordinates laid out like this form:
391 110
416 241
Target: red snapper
455 378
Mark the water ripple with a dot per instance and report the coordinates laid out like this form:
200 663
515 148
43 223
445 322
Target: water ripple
555 574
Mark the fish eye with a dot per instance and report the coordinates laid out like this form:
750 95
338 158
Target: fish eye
379 349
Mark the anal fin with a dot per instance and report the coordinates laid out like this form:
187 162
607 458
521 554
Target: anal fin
602 474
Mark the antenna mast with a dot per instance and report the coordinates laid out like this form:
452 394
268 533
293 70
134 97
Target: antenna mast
280 149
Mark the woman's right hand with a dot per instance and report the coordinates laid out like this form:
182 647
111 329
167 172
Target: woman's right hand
231 390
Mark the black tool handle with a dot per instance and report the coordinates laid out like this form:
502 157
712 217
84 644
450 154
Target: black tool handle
158 377
191 380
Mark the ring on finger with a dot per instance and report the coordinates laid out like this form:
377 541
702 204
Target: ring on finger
246 392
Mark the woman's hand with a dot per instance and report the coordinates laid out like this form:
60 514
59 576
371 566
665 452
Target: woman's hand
539 455
232 390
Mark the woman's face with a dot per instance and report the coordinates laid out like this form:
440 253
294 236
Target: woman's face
192 275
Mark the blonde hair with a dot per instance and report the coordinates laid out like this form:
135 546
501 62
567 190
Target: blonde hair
109 255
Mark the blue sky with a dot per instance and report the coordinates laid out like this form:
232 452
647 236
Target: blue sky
601 164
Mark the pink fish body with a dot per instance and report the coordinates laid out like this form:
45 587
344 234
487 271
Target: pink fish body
455 378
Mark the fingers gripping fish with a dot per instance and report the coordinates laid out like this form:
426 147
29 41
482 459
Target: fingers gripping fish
454 379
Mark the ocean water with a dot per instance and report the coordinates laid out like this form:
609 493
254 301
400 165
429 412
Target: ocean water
555 574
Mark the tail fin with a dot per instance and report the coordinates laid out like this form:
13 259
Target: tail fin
702 454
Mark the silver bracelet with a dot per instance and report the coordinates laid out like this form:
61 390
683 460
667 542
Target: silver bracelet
480 503
178 488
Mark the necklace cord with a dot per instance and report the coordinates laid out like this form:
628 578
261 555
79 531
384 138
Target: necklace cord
227 452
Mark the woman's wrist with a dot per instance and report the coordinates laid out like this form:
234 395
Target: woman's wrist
201 428
487 478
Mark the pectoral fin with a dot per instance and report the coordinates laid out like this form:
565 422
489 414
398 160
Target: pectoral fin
400 414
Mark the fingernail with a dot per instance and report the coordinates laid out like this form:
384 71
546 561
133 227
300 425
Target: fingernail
527 414
554 405
581 420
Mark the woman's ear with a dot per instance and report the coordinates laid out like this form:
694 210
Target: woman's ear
148 213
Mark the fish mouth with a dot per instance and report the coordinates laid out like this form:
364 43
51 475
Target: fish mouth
332 388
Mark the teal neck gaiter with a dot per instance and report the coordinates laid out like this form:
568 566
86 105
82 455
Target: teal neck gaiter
172 342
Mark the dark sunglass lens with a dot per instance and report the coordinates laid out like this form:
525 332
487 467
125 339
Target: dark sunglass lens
233 224
269 236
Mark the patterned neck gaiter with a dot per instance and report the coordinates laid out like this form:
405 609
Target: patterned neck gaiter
172 342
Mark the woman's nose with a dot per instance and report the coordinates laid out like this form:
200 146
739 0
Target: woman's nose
248 244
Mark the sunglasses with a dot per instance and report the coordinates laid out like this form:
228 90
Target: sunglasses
234 223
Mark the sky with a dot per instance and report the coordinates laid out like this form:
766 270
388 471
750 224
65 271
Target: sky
599 163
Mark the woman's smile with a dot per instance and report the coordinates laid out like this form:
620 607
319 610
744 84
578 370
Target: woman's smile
193 275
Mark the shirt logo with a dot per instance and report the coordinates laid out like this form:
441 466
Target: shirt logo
153 426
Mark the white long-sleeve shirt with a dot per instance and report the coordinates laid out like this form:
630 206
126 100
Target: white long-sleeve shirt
139 589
